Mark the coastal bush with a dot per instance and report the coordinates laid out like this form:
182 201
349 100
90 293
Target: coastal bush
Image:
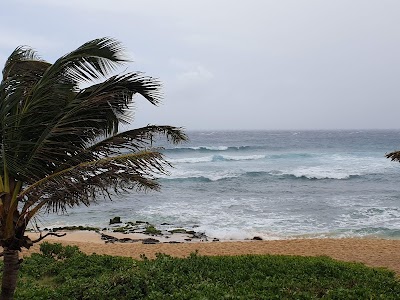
150 229
57 250
81 276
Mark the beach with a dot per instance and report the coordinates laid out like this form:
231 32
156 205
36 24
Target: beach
309 193
372 252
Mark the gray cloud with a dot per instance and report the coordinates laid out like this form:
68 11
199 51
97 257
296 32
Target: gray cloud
237 64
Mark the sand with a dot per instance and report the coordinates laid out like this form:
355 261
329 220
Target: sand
372 252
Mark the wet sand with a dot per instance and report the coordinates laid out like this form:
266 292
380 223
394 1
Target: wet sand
372 252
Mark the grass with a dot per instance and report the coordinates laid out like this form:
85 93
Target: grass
66 273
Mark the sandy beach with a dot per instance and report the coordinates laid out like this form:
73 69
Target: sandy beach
372 252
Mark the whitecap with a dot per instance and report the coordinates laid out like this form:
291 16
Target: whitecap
239 158
200 175
191 160
322 172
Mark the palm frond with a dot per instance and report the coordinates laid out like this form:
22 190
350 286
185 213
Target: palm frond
51 112
94 112
93 60
394 156
85 182
138 138
131 83
59 84
23 59
14 92
128 142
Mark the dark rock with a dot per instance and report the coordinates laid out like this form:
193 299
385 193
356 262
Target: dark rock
115 220
141 222
72 228
178 230
257 238
166 224
150 241
215 240
108 238
125 240
188 240
172 242
199 235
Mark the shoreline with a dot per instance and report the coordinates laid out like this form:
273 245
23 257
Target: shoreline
372 252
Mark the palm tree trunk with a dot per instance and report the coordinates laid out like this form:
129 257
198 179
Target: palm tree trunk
10 274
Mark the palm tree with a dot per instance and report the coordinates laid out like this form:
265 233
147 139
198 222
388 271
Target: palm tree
60 142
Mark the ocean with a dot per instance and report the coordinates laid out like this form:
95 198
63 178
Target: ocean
271 184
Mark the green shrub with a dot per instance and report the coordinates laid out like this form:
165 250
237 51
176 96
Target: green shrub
152 230
58 251
80 276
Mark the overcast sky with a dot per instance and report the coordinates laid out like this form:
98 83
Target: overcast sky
225 64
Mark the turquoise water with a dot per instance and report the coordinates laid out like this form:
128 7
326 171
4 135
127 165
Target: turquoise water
273 184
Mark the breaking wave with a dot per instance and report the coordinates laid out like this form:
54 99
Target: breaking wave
216 158
209 149
267 175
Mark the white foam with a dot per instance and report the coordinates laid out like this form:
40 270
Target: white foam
211 175
203 159
321 173
236 233
370 216
192 160
243 157
212 148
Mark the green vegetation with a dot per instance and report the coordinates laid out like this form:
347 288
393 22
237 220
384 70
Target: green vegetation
81 228
150 229
121 229
66 273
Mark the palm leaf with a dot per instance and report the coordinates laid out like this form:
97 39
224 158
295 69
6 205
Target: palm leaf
394 156
128 141
59 84
85 182
94 112
23 60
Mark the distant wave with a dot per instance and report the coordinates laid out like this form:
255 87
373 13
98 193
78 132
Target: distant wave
237 158
191 160
209 149
321 177
297 157
216 158
267 175
294 175
291 155
190 178
240 149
